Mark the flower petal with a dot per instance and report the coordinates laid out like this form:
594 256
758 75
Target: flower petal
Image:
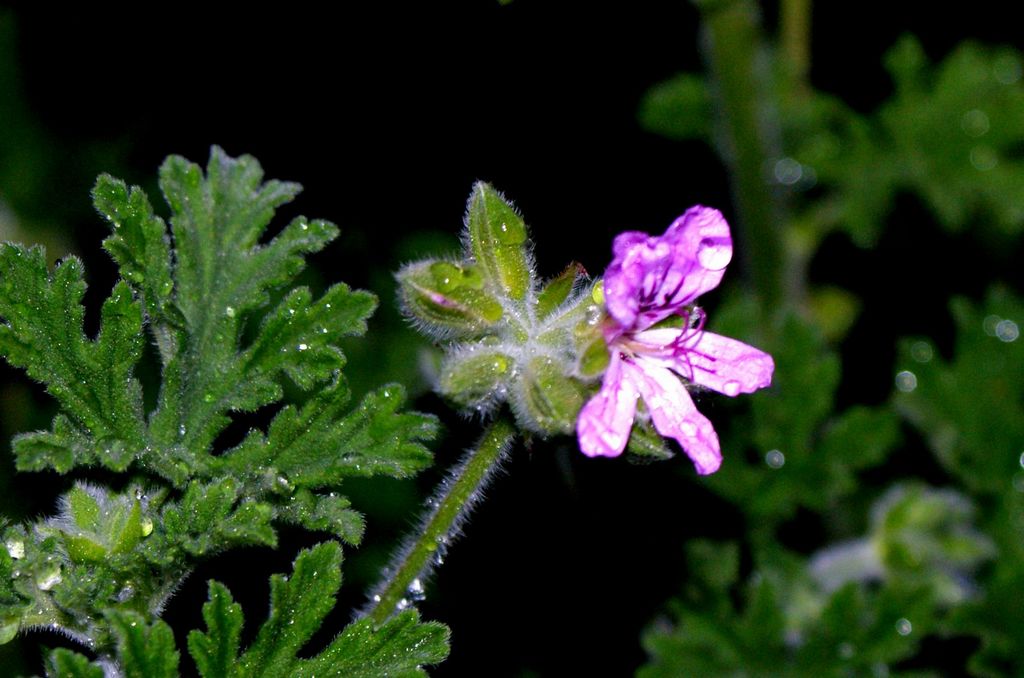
674 414
701 235
651 278
729 366
719 363
605 422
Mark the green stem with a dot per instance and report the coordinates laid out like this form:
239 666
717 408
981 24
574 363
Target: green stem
796 42
750 131
450 506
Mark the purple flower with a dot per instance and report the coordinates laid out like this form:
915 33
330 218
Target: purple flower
650 279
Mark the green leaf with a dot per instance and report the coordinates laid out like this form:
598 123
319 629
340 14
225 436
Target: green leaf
216 650
787 627
400 647
322 442
214 294
679 108
971 409
329 513
297 607
139 244
802 452
223 274
955 128
298 336
63 663
93 380
211 517
144 650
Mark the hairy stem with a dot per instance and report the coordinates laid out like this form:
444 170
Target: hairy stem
448 509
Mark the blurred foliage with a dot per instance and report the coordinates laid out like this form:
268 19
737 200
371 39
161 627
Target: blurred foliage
857 608
950 134
934 562
810 454
969 408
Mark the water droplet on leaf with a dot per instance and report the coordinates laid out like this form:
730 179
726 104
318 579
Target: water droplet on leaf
48 577
16 547
775 459
975 123
984 158
922 351
906 381
416 591
1007 331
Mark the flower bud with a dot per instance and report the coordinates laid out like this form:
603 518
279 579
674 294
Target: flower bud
558 289
447 298
95 524
497 240
550 399
475 377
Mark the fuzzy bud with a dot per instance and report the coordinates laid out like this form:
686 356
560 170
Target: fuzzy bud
550 398
95 524
475 377
497 240
447 298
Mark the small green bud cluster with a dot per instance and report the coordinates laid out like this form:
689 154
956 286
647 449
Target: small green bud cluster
508 337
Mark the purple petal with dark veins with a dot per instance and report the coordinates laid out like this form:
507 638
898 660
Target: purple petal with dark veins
674 414
605 422
652 277
719 363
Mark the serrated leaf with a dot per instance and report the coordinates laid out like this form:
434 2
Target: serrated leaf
216 651
400 647
324 513
298 605
63 663
955 128
230 334
144 650
299 336
92 379
374 438
209 518
224 274
139 243
785 629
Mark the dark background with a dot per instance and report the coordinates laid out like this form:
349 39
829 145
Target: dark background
387 116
